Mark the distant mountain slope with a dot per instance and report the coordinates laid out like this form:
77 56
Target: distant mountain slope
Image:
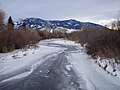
69 24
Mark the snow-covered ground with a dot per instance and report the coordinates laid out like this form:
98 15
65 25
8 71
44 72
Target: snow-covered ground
30 59
95 77
59 41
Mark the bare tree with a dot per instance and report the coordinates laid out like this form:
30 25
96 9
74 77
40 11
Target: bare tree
2 15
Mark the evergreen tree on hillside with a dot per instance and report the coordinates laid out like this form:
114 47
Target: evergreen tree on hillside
10 25
10 21
10 35
24 26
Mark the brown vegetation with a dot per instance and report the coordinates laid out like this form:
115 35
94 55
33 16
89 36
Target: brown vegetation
11 38
104 42
74 36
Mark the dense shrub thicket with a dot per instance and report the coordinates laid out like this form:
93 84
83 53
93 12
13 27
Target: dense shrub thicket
104 42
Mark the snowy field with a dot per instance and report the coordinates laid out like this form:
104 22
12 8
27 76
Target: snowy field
95 77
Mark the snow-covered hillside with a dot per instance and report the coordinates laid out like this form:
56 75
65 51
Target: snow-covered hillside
69 24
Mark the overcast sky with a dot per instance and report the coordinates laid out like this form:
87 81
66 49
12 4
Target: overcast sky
98 11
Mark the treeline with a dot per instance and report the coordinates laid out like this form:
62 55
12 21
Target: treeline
48 33
11 39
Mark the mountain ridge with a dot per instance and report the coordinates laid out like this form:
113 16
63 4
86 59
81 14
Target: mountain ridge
39 23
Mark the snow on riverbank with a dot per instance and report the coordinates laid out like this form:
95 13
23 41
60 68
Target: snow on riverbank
96 78
109 65
26 59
